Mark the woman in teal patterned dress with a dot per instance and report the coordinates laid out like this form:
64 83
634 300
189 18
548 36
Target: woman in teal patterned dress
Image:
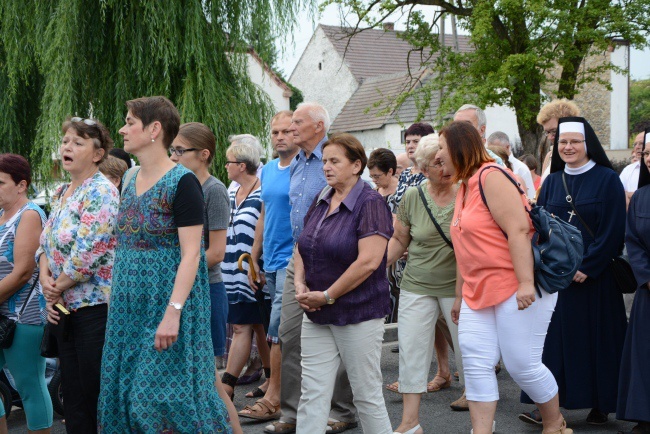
158 369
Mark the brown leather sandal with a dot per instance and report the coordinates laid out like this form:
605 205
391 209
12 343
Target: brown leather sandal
261 410
433 386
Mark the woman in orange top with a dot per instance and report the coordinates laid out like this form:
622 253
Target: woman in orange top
496 307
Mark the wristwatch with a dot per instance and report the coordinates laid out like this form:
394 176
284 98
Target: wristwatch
176 306
328 299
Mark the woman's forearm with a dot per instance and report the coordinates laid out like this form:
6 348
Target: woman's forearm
12 282
185 277
522 256
371 252
298 267
395 251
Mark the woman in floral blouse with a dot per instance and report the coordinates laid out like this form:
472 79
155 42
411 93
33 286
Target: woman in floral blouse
76 261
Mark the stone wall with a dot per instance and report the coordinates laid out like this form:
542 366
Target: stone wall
593 98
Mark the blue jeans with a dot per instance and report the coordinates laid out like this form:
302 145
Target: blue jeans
275 282
218 317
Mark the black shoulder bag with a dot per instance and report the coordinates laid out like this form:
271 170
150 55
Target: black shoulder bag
426 206
621 268
8 325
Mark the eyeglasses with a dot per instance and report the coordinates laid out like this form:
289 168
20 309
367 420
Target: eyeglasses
552 132
375 177
88 122
180 151
233 162
646 154
437 165
570 142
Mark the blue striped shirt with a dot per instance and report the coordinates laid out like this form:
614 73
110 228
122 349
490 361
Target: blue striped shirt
239 240
307 180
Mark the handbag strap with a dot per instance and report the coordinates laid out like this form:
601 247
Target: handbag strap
515 183
29 296
575 210
426 206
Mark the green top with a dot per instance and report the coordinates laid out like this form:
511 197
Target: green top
431 264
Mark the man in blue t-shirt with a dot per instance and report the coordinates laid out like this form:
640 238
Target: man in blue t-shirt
274 243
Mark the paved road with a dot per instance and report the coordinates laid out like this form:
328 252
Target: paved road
436 417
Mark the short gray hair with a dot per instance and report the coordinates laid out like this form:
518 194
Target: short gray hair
480 114
317 113
427 149
498 138
246 148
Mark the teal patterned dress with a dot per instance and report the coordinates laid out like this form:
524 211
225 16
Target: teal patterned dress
143 390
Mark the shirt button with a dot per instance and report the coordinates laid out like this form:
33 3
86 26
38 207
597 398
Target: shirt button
307 164
303 179
300 194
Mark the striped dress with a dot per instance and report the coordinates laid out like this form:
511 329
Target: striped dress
240 235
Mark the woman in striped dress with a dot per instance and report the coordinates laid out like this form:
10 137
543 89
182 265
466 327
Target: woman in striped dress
242 159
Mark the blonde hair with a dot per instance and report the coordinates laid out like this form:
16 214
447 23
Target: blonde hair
427 149
558 108
113 166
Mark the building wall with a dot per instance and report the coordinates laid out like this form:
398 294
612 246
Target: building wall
332 84
605 110
267 83
619 99
389 136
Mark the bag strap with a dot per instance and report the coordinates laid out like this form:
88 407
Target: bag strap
29 297
515 183
570 200
323 193
426 206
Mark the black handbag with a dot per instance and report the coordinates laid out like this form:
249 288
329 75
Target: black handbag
49 344
8 325
621 268
557 245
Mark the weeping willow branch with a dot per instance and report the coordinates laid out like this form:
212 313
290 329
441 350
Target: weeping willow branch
87 57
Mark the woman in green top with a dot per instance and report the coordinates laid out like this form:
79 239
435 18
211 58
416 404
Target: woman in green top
429 280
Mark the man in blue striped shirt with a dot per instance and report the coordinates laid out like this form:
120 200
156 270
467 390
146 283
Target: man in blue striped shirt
309 126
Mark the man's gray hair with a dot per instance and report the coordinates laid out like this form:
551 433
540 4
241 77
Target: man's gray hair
245 148
498 138
480 114
317 113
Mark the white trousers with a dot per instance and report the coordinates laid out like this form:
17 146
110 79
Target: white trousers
518 336
324 347
416 332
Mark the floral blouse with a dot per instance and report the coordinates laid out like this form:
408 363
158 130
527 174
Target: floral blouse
79 240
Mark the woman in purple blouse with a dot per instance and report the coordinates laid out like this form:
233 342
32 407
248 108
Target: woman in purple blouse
340 275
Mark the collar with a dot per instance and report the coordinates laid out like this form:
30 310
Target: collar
580 170
317 152
351 199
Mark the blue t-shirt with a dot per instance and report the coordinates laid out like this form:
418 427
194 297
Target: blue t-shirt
278 240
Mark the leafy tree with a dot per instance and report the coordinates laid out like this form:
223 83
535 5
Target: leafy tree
639 105
522 47
87 57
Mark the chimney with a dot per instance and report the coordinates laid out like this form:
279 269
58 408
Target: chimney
389 26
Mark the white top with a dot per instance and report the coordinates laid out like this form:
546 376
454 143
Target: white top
579 170
630 177
522 170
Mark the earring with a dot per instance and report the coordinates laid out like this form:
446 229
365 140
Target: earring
152 139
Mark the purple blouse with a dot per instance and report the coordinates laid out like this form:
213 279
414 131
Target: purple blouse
329 245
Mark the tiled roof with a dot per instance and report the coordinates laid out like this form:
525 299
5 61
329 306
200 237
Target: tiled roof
361 112
374 52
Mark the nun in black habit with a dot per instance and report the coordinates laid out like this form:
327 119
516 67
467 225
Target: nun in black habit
585 338
634 379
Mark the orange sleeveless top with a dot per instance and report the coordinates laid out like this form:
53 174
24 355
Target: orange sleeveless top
482 253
